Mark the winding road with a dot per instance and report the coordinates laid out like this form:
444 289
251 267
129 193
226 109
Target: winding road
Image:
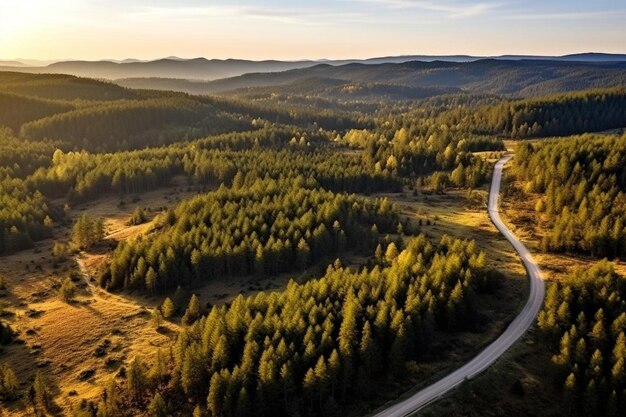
513 332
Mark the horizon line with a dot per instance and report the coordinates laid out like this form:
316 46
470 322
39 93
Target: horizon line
174 57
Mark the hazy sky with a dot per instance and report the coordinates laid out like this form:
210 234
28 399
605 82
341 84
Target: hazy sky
95 29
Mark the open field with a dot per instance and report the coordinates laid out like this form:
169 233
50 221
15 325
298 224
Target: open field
81 345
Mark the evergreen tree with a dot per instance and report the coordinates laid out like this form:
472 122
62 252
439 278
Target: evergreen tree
167 308
41 395
157 407
136 382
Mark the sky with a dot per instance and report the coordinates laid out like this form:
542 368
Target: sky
283 29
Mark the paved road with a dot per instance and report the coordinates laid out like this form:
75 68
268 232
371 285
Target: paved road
512 333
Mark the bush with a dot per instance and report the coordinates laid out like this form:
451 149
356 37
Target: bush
60 251
138 217
67 290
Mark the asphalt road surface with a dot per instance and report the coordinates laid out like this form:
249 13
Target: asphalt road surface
516 328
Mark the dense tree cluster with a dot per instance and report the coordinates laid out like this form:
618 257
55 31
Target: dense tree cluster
131 124
265 227
24 216
579 112
293 113
271 152
440 149
62 87
585 317
335 171
21 158
582 181
17 110
315 346
213 160
87 231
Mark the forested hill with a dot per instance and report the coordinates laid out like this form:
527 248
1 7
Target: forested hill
198 68
314 86
510 77
81 113
62 87
212 69
559 115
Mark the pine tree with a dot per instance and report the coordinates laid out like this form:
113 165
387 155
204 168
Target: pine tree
391 253
193 310
334 367
570 390
244 407
197 411
136 382
157 372
590 400
378 253
286 378
157 318
322 377
9 382
179 298
167 308
41 395
303 254
193 376
347 331
398 353
216 394
151 280
157 407
367 350
309 384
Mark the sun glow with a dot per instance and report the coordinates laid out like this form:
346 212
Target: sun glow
17 17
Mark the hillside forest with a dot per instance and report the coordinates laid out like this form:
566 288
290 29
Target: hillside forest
291 264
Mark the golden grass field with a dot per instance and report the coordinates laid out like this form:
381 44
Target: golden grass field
61 339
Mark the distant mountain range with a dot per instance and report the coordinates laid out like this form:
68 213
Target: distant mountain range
212 69
418 79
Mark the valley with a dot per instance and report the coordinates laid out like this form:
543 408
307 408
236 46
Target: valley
317 241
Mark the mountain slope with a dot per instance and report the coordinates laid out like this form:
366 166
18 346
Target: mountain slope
199 68
212 69
61 87
512 77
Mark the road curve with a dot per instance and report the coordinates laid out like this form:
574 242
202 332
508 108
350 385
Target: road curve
513 332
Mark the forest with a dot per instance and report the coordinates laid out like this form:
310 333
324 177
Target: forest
265 227
584 319
581 182
307 249
72 166
315 346
559 115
